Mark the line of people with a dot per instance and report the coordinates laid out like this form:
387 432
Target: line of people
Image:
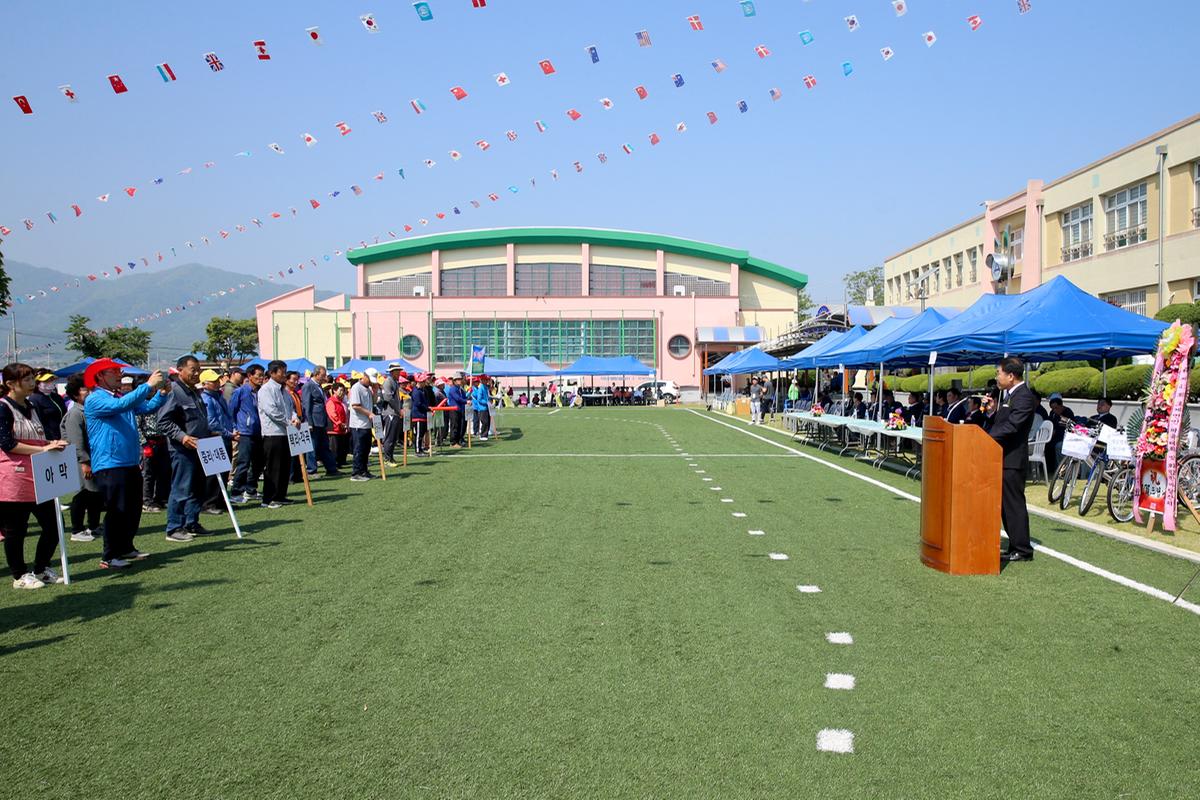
136 444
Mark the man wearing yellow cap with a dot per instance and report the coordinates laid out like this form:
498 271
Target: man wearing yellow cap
220 423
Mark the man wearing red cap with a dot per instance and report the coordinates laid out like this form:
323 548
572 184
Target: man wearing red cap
113 437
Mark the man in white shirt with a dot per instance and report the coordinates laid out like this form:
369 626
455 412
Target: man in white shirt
362 417
275 413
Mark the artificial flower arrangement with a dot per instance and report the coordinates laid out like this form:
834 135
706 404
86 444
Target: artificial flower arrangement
817 410
1174 348
895 421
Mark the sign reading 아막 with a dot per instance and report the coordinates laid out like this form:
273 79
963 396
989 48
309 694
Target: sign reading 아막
55 473
300 440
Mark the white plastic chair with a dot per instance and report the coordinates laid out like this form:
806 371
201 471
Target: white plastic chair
1037 448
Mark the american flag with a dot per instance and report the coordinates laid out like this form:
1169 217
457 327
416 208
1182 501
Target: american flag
1023 6
643 38
213 62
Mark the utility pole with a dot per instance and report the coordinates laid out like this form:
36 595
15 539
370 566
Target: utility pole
1161 152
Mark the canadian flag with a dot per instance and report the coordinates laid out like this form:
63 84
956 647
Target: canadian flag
458 92
482 144
974 21
930 38
547 67
809 81
762 51
260 49
342 128
695 22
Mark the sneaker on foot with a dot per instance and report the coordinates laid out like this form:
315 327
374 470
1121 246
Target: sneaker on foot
180 536
48 576
239 499
82 536
252 494
135 555
270 505
213 511
392 464
113 563
483 438
359 478
197 530
28 581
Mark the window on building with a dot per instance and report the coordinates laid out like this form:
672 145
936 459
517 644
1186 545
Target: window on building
679 346
958 269
612 281
1134 300
411 347
702 287
1077 232
330 362
1196 209
973 260
552 341
1125 217
401 287
948 273
549 280
489 280
1017 242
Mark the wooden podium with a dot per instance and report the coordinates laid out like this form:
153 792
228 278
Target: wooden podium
960 499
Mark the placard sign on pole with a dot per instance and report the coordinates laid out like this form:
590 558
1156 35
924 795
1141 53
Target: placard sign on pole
299 443
214 460
56 473
377 430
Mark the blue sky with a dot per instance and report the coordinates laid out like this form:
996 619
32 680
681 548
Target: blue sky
825 181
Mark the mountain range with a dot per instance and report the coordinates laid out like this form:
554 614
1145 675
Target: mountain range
116 301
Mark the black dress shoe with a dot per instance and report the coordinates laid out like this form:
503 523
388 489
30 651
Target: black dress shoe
1013 555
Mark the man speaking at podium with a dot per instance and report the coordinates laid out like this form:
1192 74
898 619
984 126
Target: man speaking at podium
1010 428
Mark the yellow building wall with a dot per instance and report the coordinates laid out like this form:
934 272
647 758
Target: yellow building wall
758 292
549 253
624 257
398 267
1181 198
945 245
474 257
701 267
314 335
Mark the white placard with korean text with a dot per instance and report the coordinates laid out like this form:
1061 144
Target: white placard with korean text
55 473
300 440
214 458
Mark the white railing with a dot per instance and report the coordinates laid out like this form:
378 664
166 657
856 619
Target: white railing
1125 237
1074 252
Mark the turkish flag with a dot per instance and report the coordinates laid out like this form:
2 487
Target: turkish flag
547 67
573 114
118 85
23 102
641 92
458 92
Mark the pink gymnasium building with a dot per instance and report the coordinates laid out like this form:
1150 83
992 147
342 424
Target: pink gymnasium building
552 293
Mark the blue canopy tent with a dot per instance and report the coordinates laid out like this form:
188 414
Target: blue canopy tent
843 354
1056 321
607 367
805 358
301 365
754 360
518 367
80 366
889 348
722 366
362 365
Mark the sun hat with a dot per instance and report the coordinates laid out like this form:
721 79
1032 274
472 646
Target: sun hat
96 367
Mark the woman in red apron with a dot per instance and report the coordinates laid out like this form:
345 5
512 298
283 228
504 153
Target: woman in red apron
22 435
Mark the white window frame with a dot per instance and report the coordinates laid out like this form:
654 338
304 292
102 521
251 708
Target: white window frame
1077 230
1125 215
1133 300
1196 200
1017 243
973 259
958 268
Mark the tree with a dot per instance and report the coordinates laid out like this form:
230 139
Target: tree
5 299
131 345
804 304
864 285
229 339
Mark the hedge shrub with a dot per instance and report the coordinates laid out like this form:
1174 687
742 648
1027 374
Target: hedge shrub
1184 312
1071 382
1124 383
914 383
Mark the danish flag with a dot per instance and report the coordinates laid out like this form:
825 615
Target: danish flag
695 22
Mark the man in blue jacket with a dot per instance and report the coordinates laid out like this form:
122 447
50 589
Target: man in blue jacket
183 418
312 400
243 407
481 404
456 397
220 423
114 441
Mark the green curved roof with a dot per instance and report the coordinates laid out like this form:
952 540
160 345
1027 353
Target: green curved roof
639 241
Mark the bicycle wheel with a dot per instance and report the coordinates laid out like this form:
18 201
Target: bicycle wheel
1057 480
1091 488
1189 479
1120 494
1068 488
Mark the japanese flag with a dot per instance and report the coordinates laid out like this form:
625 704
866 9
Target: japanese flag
930 38
455 155
342 128
901 7
314 35
309 139
368 22
458 92
501 79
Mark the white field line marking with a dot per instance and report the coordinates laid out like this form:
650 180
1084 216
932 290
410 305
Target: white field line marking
777 556
739 514
699 472
462 454
726 499
1075 562
803 589
758 533
715 488
839 680
840 637
555 411
835 740
706 479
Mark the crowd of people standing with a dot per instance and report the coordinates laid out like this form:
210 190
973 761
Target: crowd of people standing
136 443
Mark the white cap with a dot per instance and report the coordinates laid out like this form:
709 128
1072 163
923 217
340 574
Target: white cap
127 379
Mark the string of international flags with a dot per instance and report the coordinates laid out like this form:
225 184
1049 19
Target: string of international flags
546 66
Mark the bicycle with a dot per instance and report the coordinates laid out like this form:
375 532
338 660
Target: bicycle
1102 470
1120 487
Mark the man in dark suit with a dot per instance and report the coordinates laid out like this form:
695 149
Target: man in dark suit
957 408
1010 429
312 400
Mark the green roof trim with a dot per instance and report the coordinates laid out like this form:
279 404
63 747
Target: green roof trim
638 241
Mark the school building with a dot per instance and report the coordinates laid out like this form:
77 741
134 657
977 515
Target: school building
553 293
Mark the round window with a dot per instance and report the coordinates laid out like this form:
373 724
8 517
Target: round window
679 346
410 346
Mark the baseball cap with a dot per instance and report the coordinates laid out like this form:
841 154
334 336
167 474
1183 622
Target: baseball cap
45 376
209 375
127 379
1056 396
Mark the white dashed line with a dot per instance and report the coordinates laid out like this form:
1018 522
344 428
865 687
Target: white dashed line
839 638
834 740
839 680
758 533
739 514
805 589
777 556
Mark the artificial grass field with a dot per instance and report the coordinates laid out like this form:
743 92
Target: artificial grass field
515 622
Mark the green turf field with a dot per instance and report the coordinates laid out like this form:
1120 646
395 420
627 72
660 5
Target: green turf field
572 611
